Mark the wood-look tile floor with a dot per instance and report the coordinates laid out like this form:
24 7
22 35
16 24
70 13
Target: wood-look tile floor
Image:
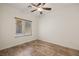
39 48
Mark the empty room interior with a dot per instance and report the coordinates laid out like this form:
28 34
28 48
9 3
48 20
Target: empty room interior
39 29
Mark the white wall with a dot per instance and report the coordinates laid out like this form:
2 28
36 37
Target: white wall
61 26
8 27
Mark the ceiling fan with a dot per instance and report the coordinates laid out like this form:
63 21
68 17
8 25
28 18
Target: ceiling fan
39 7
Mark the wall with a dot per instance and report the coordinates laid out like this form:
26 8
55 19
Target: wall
61 26
7 26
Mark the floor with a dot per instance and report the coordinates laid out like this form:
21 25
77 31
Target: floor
39 48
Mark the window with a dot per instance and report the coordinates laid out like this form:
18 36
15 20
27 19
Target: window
23 27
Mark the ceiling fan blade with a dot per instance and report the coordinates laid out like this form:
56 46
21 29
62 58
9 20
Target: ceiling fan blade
38 4
33 4
43 4
41 12
33 10
47 8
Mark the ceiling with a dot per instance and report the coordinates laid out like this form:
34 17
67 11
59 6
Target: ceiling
24 6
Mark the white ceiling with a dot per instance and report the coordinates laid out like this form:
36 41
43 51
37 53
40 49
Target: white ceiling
24 6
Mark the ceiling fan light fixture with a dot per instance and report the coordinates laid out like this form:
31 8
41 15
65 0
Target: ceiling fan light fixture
40 9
